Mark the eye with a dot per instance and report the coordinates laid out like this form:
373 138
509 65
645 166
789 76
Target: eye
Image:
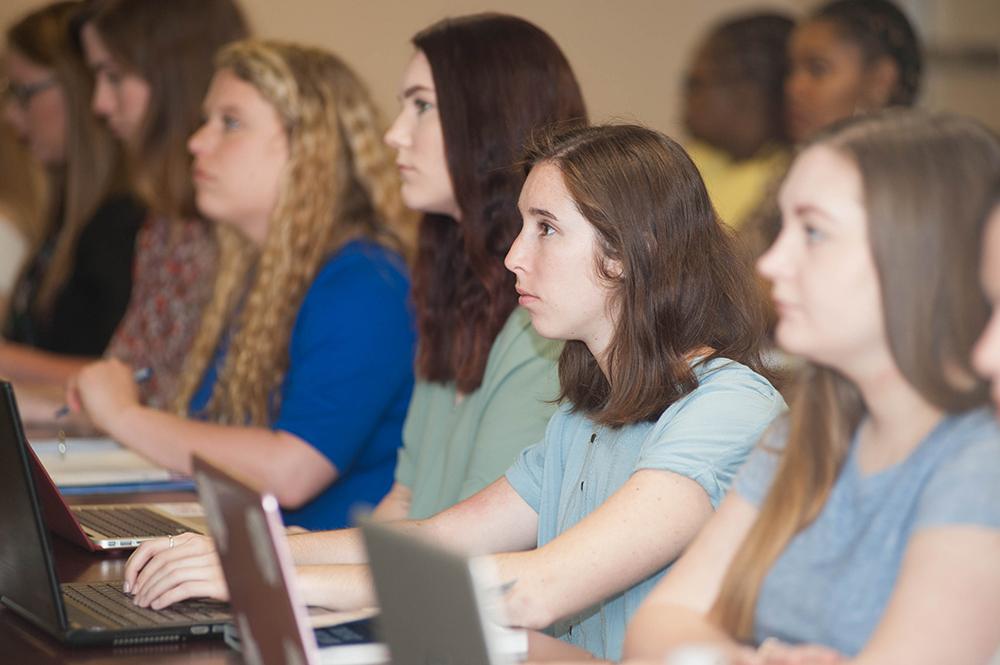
230 123
813 234
545 229
113 77
421 105
817 68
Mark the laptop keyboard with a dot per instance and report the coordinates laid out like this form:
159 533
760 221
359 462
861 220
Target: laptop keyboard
115 607
128 522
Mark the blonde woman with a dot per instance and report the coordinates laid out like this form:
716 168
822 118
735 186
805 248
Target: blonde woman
866 526
302 370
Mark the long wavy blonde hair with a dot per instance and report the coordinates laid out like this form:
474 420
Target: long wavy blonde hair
926 180
339 184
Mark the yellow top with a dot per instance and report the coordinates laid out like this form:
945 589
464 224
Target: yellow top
737 187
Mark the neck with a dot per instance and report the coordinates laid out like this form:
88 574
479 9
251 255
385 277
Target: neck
898 416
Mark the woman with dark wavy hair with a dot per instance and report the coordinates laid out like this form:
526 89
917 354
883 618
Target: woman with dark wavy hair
474 91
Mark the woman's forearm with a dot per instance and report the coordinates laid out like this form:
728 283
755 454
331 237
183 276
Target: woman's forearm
656 629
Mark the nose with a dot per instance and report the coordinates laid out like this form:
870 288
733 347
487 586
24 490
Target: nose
776 262
14 115
986 354
398 134
196 144
514 261
103 103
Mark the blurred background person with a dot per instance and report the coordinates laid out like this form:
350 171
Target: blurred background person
76 286
848 57
22 209
734 110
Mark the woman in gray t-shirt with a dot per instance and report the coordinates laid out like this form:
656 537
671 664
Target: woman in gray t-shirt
868 521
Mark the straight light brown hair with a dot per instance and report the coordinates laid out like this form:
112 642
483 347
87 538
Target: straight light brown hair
684 287
171 45
925 179
92 169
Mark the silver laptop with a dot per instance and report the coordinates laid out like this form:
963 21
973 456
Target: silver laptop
272 623
435 603
111 526
78 613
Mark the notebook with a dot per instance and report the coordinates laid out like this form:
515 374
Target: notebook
78 613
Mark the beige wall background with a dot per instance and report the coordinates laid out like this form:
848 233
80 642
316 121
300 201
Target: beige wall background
629 55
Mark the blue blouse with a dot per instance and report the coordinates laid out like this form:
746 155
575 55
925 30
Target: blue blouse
349 378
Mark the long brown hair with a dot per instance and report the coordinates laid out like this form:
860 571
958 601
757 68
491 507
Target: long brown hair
171 46
497 79
22 190
683 285
92 169
925 180
339 183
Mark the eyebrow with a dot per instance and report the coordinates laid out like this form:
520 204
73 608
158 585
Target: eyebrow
808 209
414 89
542 212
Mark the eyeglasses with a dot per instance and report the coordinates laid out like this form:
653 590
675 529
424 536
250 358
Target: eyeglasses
22 94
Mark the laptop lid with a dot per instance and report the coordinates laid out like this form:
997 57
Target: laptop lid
249 536
433 604
27 574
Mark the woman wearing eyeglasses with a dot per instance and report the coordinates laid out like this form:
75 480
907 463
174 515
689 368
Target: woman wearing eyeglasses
77 281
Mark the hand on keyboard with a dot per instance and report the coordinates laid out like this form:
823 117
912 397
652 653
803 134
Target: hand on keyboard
159 575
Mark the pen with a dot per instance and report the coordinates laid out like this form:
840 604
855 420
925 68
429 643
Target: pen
140 375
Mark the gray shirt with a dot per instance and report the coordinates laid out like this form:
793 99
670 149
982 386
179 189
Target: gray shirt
832 583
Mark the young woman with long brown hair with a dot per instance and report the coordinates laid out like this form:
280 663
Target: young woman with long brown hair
302 369
151 63
620 254
867 524
76 285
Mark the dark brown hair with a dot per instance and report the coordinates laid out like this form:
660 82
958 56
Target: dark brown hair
497 79
925 180
683 286
92 169
755 46
881 30
171 45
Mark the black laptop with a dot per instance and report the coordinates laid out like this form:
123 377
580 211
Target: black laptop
79 613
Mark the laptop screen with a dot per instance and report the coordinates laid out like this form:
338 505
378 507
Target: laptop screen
27 576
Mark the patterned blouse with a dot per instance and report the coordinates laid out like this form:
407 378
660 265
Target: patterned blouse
173 278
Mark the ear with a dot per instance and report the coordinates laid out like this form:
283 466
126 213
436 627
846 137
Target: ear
881 80
613 268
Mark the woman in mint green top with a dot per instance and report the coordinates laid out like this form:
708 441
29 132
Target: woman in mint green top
485 380
452 450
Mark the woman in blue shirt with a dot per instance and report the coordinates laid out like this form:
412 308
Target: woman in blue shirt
621 254
302 369
867 525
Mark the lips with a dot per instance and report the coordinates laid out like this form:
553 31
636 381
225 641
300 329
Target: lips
523 297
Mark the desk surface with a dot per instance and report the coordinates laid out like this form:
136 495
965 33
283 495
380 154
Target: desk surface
21 642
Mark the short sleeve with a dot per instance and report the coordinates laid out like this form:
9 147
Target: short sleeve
708 435
965 488
351 354
515 415
527 474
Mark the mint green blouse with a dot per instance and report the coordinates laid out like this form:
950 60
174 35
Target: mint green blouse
451 451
